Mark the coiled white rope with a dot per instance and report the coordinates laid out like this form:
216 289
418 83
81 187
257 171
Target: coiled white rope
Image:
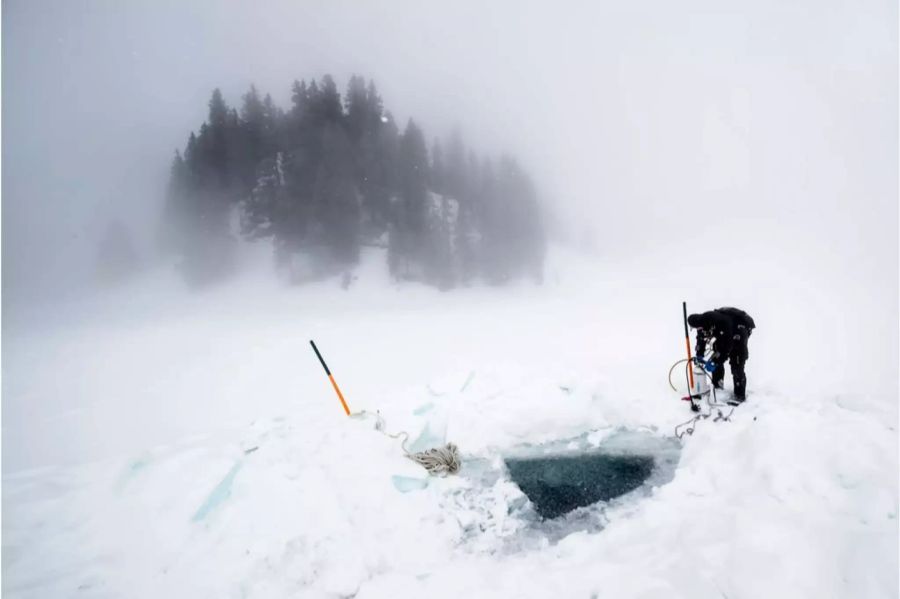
438 461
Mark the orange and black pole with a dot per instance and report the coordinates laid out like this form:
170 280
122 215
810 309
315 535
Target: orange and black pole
330 377
690 369
687 344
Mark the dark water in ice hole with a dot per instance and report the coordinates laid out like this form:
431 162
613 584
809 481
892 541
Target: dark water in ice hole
569 485
556 485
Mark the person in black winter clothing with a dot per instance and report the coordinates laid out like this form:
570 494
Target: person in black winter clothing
728 329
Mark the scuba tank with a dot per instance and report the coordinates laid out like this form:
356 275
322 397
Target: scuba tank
701 382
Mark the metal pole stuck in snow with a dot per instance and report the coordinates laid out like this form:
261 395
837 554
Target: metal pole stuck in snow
687 343
330 377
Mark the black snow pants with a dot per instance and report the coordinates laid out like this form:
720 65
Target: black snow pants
737 358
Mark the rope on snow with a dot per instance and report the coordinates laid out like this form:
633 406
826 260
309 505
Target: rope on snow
438 461
686 428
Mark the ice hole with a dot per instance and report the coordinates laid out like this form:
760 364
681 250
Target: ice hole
556 485
532 494
562 477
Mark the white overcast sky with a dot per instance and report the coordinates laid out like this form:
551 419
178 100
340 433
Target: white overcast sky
639 120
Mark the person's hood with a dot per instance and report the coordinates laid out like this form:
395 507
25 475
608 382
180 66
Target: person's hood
698 321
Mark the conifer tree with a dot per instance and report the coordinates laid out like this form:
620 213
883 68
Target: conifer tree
407 238
357 110
329 102
374 109
455 179
336 200
438 170
252 145
331 174
380 155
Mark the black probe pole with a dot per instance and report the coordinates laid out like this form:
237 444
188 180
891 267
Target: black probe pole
318 355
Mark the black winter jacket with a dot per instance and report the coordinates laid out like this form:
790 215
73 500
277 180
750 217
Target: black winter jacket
726 326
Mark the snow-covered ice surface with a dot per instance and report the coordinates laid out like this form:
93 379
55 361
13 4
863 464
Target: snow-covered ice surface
161 444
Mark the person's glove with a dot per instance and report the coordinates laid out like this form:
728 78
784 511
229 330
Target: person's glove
710 366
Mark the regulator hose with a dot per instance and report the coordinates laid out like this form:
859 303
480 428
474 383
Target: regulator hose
672 369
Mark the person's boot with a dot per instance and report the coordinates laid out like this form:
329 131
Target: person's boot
718 377
740 390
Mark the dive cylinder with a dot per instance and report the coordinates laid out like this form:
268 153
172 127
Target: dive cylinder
701 383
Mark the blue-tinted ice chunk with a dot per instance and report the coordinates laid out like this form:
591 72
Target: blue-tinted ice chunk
218 495
429 438
405 484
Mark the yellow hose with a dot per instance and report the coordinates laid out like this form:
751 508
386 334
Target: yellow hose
688 365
